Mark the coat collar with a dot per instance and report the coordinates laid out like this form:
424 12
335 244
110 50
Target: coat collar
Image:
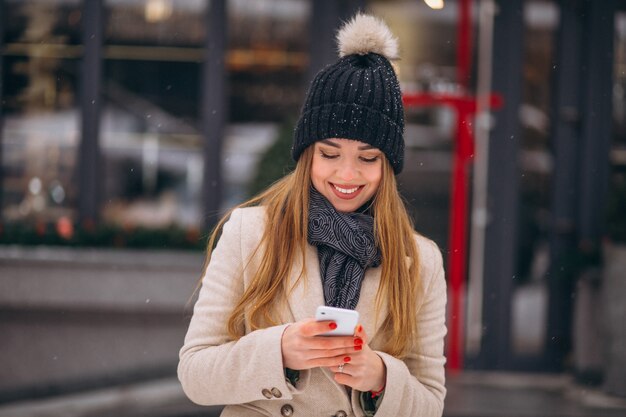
308 294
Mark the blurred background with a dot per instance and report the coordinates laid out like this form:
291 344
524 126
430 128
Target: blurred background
127 127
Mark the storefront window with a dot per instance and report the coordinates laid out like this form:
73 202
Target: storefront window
616 219
41 61
152 147
529 313
267 58
619 87
267 62
151 144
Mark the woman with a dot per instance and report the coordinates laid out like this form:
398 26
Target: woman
334 232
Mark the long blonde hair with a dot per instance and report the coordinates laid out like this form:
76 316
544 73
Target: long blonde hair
285 237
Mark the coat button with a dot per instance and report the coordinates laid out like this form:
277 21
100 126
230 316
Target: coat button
267 393
341 413
276 392
286 410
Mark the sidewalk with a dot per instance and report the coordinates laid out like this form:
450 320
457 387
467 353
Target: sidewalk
498 394
470 394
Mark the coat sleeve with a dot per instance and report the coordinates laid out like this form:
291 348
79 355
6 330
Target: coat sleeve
415 384
214 369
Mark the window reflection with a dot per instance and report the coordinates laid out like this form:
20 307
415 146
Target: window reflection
267 58
616 220
267 61
40 84
149 137
155 22
619 88
529 308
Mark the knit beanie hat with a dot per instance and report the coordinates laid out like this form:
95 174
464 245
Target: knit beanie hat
358 97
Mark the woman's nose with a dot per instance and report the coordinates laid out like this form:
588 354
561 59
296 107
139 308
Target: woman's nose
347 171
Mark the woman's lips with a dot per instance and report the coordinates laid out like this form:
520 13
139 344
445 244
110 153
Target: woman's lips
346 192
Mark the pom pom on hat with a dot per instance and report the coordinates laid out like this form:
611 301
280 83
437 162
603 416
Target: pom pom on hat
366 34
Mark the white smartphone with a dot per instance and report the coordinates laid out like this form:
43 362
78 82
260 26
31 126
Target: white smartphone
346 320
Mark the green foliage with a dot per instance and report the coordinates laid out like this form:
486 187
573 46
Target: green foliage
276 162
102 236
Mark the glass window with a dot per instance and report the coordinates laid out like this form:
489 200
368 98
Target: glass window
267 58
150 138
267 62
40 129
616 220
530 292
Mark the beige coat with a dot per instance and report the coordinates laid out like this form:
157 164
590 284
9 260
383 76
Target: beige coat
249 374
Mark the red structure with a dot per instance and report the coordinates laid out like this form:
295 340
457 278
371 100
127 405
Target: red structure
465 106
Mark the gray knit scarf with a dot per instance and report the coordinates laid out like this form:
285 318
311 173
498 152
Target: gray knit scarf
346 247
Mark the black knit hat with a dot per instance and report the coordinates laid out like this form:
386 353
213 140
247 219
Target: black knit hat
358 97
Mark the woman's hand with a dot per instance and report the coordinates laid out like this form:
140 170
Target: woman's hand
365 371
304 348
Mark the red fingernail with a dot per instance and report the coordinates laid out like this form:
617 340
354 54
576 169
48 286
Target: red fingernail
359 328
358 341
346 359
333 326
358 347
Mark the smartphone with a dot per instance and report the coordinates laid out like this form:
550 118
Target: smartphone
346 320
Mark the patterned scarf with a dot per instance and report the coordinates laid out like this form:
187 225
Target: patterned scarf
346 247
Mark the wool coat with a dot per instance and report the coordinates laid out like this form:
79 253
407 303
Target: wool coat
247 375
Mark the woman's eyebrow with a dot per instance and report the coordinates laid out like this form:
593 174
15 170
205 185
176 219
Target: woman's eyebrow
329 143
336 145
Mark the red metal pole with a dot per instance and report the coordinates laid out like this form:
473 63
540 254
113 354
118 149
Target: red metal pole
457 265
464 43
458 210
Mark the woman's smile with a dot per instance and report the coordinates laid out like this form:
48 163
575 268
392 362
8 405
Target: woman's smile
347 192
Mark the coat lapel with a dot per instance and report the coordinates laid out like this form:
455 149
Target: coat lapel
308 294
367 303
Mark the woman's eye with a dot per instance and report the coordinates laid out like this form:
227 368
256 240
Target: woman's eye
328 156
370 160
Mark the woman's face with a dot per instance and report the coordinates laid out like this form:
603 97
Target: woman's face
347 172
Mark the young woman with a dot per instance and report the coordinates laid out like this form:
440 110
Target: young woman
333 232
